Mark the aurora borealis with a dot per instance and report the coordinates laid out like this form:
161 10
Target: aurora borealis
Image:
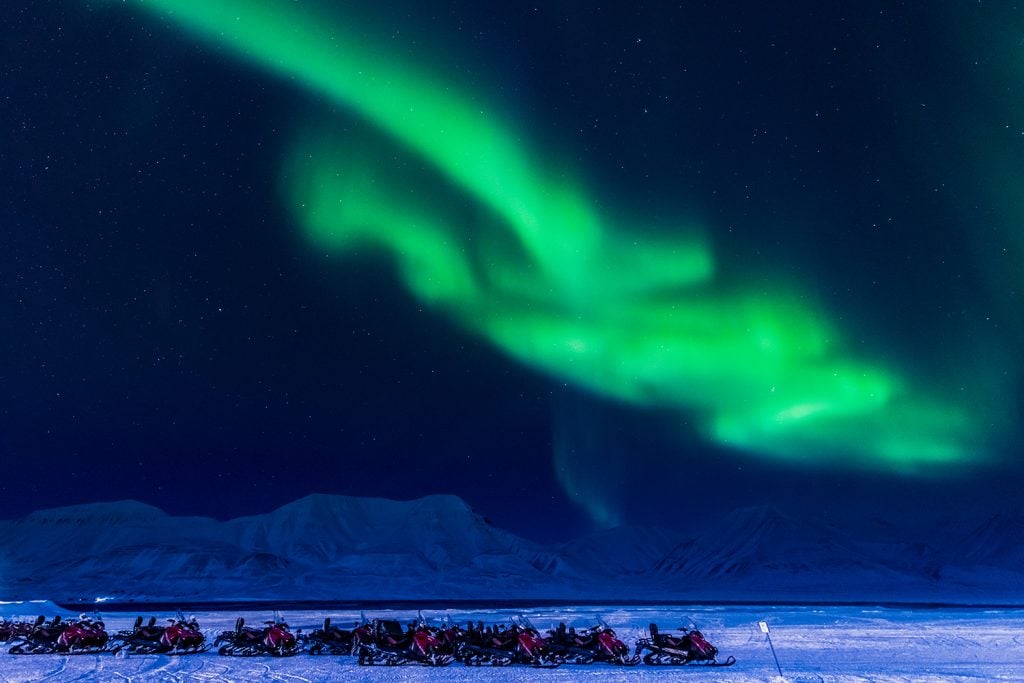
639 296
572 294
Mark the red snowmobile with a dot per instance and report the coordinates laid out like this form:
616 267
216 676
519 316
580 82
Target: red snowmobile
518 643
689 648
180 637
77 636
13 630
478 645
330 640
385 642
274 639
594 644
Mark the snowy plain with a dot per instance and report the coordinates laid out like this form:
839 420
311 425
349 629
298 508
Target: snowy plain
813 643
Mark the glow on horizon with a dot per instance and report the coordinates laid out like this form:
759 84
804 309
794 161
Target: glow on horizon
501 238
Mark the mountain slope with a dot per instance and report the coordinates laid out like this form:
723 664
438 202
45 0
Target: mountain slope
343 548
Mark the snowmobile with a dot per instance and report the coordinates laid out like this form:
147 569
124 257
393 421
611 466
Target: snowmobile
274 639
13 630
689 648
479 645
451 636
180 637
77 636
329 640
385 642
594 644
519 643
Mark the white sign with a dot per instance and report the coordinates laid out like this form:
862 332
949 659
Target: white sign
764 626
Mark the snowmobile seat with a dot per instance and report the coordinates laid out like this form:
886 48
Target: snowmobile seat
391 631
47 632
392 628
249 635
150 632
663 639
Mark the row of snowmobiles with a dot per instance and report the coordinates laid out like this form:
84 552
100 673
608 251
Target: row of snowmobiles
88 635
180 636
374 642
385 642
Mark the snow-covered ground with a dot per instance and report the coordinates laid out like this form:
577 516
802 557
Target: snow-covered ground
812 643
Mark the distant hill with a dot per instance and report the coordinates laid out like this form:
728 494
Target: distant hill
326 547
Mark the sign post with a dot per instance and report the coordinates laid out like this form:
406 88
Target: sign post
768 636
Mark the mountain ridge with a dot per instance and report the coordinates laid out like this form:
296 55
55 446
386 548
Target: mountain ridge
325 546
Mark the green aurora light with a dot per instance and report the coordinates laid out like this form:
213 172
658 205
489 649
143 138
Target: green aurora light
498 236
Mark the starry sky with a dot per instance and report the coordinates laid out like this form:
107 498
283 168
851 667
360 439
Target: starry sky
579 264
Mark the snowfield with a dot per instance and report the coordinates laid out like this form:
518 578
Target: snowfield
821 644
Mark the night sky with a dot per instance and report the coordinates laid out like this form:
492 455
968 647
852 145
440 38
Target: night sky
578 264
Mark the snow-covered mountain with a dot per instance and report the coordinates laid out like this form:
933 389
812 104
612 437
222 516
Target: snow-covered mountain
437 548
620 552
320 547
763 553
441 532
997 541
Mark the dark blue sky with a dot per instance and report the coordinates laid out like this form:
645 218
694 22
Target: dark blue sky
169 335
